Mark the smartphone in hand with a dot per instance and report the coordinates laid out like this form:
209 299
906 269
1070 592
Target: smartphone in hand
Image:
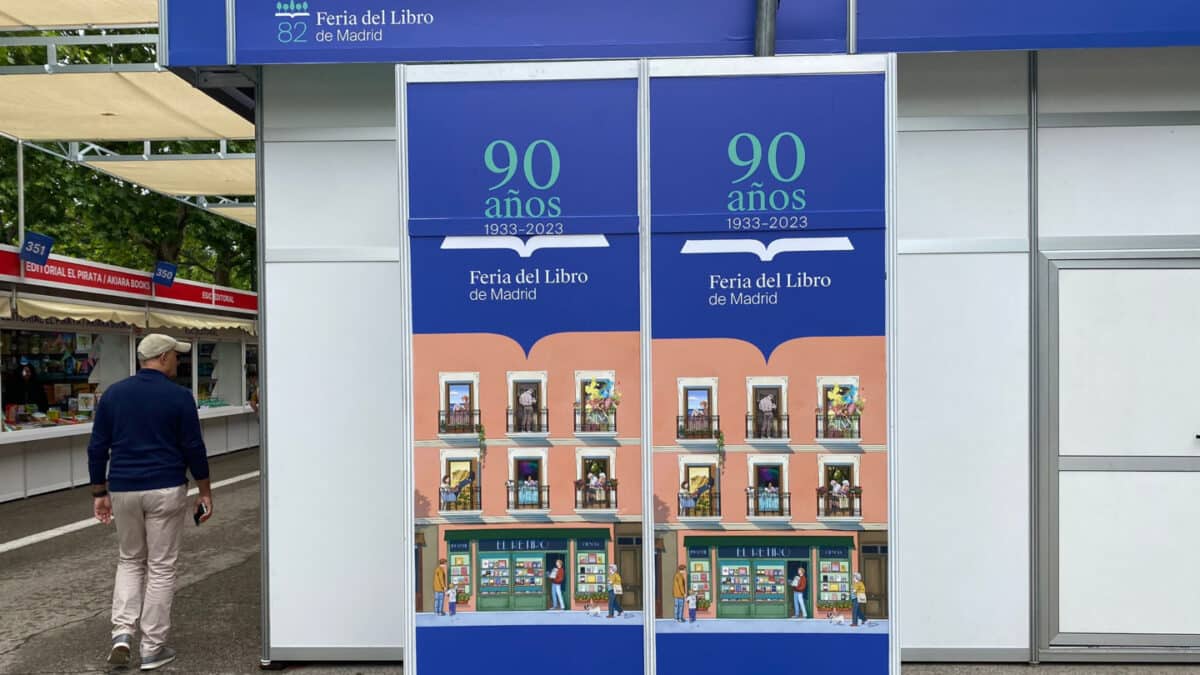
201 511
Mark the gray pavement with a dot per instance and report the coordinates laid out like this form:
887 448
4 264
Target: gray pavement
55 595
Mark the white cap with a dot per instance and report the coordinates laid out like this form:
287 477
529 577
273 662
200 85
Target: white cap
155 345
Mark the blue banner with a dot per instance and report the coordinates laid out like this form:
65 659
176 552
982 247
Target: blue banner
768 198
375 31
361 31
767 154
767 289
953 25
164 274
523 159
525 289
36 247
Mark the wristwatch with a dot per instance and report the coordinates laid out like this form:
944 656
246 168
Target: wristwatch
101 493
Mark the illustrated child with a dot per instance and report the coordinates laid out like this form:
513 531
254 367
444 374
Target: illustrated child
691 605
452 597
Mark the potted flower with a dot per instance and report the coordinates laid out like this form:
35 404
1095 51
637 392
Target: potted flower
463 597
703 603
600 405
844 407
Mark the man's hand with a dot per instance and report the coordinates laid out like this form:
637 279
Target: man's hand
102 509
205 498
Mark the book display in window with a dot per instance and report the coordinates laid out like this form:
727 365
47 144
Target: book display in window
735 581
460 572
529 574
592 573
700 578
835 582
769 582
494 575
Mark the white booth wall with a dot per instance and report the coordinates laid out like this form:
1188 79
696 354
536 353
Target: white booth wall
998 562
1115 158
330 362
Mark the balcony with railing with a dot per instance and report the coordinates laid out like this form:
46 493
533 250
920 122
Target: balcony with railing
595 422
460 499
596 496
841 503
460 423
526 497
767 428
706 504
698 428
768 503
534 422
838 428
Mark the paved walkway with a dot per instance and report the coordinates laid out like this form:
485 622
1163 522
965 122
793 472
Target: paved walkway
55 594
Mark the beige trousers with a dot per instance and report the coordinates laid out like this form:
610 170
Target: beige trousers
149 531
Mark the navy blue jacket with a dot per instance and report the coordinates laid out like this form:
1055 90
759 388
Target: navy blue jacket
151 426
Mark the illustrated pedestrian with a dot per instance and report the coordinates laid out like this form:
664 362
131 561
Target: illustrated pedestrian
615 591
557 575
452 598
145 438
859 591
679 591
799 587
439 587
691 605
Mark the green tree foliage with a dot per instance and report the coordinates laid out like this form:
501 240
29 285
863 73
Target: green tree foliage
94 216
97 217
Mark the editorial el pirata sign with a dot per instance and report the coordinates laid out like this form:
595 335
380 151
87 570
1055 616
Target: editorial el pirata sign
104 279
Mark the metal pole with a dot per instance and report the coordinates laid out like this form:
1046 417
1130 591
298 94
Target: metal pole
21 200
764 28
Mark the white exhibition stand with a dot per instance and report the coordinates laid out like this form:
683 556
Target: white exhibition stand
36 461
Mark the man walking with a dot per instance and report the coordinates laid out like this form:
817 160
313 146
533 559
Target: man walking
615 590
145 437
679 590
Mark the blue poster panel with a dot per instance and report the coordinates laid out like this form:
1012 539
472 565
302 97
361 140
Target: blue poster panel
523 228
360 31
768 293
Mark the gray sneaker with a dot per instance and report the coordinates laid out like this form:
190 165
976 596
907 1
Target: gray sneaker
121 650
158 659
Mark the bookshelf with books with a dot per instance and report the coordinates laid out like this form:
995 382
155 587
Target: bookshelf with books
495 581
460 572
734 600
591 577
700 580
770 590
529 582
833 584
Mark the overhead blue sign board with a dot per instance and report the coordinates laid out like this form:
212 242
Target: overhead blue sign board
768 220
376 31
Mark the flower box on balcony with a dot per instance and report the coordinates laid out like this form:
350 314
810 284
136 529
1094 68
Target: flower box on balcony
595 423
459 426
838 428
697 430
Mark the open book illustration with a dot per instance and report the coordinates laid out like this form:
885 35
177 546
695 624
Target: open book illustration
526 249
767 252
